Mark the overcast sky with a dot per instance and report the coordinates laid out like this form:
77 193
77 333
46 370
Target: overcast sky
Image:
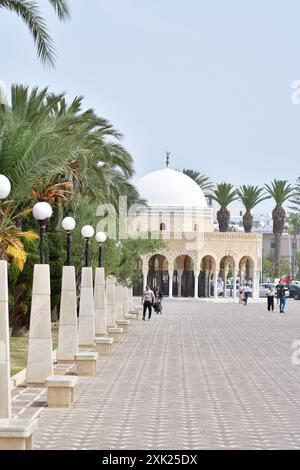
208 80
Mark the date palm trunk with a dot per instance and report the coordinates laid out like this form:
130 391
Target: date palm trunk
223 217
248 221
278 216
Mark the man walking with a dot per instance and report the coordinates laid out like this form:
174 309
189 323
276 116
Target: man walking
246 293
281 296
147 301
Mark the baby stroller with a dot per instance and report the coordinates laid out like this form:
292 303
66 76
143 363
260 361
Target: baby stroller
157 306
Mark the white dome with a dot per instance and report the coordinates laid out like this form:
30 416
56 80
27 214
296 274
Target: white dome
170 188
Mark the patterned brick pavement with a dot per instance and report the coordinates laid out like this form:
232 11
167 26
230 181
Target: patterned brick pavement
202 375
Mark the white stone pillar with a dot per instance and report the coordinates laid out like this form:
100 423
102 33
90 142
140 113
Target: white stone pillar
130 298
39 361
196 276
67 333
225 272
5 396
86 330
235 275
119 303
125 301
100 303
171 272
255 285
216 284
179 275
110 301
145 275
206 289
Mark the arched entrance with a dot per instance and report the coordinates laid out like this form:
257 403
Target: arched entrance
158 275
205 279
138 279
183 280
226 277
246 269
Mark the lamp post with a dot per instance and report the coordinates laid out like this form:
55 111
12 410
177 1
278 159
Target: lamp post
5 187
87 232
68 224
5 396
42 211
100 238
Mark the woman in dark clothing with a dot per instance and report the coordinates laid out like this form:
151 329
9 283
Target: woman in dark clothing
158 300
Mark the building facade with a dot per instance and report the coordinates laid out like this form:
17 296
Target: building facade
196 260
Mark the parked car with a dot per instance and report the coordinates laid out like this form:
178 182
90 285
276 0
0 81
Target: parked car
294 291
263 288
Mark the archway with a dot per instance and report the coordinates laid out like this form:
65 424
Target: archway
158 275
226 277
205 279
246 269
183 280
138 279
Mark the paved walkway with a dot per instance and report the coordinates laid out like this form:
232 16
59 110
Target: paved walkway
200 376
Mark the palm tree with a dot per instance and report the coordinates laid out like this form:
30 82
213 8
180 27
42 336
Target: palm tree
281 191
250 197
294 229
50 150
202 180
30 13
224 194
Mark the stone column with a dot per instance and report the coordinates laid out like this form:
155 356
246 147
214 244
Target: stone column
100 303
196 275
125 301
255 286
235 275
179 275
119 304
110 301
225 272
67 334
5 396
145 274
130 298
39 362
86 330
216 284
206 290
171 272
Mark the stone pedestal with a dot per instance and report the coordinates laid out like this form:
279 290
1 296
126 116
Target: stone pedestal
86 330
39 362
16 434
103 345
67 335
86 363
116 334
111 301
100 303
130 298
60 390
124 324
5 397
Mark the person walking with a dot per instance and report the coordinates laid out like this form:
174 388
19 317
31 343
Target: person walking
241 294
246 293
281 296
270 298
158 300
147 301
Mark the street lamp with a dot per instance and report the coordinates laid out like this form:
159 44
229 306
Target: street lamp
5 187
100 238
68 224
87 232
42 211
